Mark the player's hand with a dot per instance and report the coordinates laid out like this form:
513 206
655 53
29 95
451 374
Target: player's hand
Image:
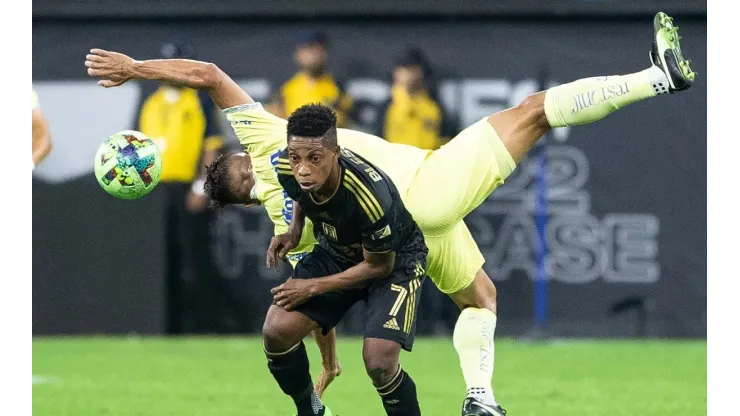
112 67
293 292
329 372
280 245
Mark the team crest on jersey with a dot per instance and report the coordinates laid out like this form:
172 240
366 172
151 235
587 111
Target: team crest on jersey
329 231
381 233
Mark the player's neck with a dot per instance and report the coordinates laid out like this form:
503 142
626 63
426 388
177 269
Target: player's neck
330 187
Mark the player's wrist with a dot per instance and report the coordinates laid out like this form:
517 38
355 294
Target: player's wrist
318 286
132 68
294 234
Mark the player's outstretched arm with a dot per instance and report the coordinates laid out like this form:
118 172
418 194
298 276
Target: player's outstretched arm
115 68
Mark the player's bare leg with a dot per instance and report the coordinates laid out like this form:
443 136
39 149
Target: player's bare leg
394 385
591 99
473 340
283 334
330 367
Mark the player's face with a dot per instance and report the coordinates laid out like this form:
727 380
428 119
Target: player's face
311 58
311 163
241 179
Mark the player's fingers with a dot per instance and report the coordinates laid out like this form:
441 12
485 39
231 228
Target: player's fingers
95 65
108 83
101 52
276 289
94 58
270 260
283 253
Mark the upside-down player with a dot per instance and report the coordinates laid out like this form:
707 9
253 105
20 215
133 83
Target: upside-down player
457 177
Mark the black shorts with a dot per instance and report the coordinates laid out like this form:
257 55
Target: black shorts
391 302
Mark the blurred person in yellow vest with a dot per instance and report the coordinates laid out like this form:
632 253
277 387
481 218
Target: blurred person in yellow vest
413 115
41 144
313 83
181 121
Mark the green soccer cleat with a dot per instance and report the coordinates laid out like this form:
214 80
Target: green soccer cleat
327 412
666 54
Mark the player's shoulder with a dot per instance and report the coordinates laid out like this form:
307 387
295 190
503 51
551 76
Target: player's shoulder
370 187
356 163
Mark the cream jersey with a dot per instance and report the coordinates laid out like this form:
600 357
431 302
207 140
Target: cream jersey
264 136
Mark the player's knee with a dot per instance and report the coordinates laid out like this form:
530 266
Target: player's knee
481 294
277 333
381 363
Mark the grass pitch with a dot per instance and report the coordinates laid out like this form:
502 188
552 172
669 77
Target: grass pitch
228 376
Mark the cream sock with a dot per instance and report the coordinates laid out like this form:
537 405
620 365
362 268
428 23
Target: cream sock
591 99
473 340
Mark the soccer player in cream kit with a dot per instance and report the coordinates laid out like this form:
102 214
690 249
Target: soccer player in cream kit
458 177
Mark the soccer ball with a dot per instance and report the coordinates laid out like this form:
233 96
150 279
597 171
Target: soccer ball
128 165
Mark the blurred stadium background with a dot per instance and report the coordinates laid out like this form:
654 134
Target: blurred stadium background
624 230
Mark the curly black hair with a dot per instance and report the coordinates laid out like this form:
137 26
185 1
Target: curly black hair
314 120
217 182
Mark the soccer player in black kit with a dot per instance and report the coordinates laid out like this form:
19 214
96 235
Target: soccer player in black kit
370 249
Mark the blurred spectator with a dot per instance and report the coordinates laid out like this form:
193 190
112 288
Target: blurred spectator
181 122
313 83
41 144
412 115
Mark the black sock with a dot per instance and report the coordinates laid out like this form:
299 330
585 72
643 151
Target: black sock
291 371
399 396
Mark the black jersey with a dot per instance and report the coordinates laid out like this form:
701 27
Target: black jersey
365 212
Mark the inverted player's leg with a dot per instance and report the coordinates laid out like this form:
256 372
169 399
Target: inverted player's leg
463 173
455 266
283 334
458 177
474 341
589 100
